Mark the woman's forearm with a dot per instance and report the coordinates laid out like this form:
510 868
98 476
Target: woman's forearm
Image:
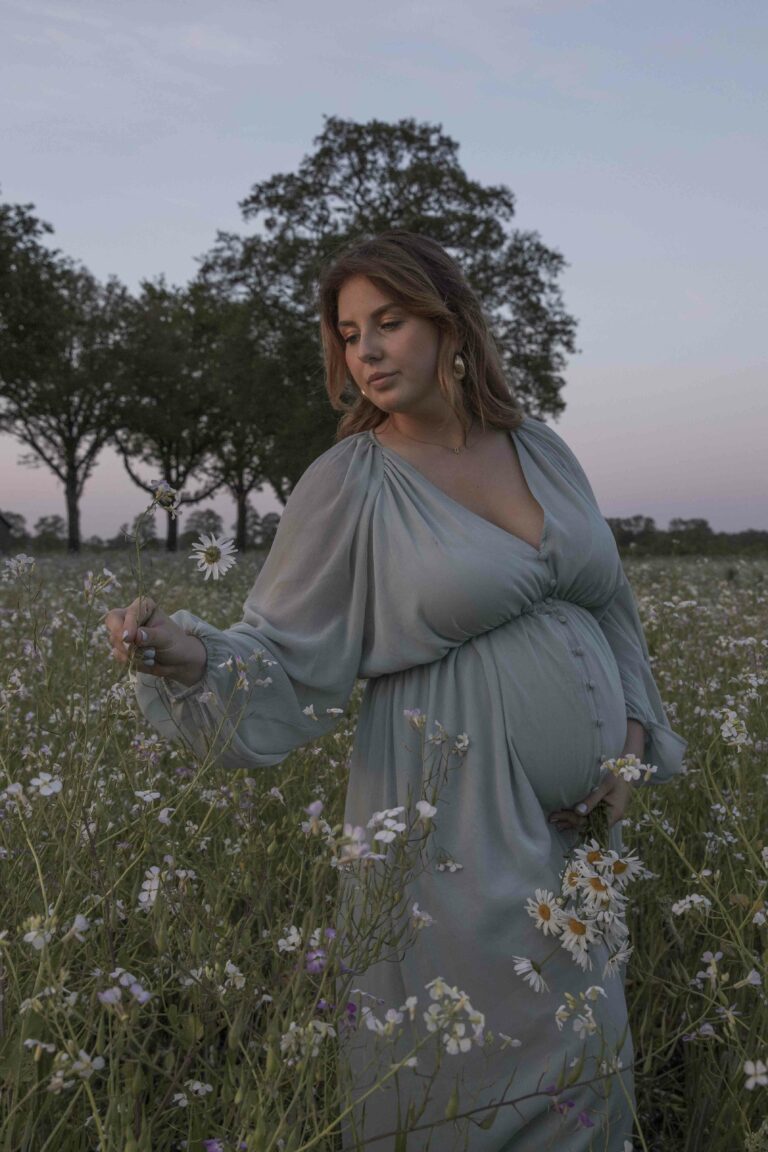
635 740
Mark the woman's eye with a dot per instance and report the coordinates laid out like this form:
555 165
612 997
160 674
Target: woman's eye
388 324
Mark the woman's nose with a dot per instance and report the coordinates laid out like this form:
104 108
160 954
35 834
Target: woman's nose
367 348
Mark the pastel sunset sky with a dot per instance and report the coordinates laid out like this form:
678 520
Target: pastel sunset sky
633 136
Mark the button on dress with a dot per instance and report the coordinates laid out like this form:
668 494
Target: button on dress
537 654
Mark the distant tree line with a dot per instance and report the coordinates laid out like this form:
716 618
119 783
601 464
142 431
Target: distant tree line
635 535
639 536
50 532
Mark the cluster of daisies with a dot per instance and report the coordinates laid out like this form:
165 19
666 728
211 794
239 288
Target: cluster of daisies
590 909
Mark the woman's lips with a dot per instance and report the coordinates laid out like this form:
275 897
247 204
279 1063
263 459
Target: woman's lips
383 380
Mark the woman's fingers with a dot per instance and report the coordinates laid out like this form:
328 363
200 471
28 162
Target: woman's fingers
129 632
137 614
565 819
617 797
614 792
575 818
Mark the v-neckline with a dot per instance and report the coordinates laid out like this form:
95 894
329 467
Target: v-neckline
539 549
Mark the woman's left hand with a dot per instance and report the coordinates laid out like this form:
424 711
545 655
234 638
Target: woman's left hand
613 791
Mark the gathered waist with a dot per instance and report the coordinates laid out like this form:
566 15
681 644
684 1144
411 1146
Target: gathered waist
547 606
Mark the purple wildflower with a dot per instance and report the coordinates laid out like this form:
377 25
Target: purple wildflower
315 960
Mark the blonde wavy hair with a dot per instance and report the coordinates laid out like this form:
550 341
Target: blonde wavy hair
418 274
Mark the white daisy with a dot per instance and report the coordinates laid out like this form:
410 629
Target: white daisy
572 879
214 556
530 972
578 934
591 854
626 868
544 909
616 959
598 895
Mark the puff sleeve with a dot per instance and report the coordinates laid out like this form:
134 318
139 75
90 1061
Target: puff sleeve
282 676
619 620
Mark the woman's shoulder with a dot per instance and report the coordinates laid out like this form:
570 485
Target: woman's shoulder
544 435
341 456
349 464
552 445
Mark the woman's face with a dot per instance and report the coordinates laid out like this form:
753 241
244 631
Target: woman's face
381 336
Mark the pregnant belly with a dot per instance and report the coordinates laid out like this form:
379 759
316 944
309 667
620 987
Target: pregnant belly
562 700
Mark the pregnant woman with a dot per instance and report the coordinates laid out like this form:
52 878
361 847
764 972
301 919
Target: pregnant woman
449 551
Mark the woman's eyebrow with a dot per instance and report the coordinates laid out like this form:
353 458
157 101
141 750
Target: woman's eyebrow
376 312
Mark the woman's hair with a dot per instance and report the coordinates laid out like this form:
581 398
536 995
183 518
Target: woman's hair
417 273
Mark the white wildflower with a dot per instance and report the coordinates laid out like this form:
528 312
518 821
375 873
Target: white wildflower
85 1066
530 972
756 1073
419 918
150 886
38 932
213 556
15 567
694 900
46 784
147 796
198 1087
291 941
544 909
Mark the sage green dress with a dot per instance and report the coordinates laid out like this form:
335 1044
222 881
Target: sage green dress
536 654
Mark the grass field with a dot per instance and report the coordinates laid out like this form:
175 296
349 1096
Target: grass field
168 966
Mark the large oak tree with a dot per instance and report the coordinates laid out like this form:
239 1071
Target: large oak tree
169 417
59 328
359 180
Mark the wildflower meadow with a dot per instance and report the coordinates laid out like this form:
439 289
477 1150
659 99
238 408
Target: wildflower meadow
176 969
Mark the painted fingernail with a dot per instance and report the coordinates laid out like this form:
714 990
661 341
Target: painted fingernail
126 643
148 655
582 808
149 663
125 634
142 635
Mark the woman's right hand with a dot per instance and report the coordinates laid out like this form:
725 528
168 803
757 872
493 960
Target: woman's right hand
143 635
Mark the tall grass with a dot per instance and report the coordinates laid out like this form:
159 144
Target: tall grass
171 974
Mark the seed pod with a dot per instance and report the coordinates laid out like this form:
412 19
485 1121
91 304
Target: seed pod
138 1081
489 1120
273 1063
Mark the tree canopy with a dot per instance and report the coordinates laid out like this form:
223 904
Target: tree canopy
58 331
362 179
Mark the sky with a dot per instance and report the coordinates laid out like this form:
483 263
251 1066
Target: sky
632 135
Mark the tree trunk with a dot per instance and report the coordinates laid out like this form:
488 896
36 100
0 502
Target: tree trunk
73 511
241 499
172 535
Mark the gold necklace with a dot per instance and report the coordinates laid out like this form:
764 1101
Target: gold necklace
456 451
